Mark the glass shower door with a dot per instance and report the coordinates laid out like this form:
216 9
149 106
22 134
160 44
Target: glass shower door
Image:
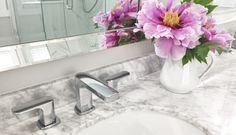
54 18
29 20
79 15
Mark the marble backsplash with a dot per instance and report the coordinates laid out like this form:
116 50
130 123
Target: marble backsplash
63 90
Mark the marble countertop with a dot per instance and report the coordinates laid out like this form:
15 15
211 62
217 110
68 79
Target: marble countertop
211 107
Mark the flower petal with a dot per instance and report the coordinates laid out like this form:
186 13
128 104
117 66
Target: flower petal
177 52
163 31
165 48
149 30
169 4
153 11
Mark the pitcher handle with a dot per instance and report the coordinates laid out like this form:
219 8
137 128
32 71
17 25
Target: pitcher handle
209 67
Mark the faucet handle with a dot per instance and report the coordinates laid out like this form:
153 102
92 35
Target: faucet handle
110 79
117 76
45 106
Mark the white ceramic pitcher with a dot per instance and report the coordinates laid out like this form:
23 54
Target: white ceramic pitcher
182 79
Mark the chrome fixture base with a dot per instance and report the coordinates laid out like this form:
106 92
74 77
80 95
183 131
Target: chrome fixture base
42 127
77 111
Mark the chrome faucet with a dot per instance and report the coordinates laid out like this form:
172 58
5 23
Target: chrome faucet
45 107
86 85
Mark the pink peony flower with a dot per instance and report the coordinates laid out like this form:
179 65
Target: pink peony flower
219 37
212 35
111 38
122 15
175 27
124 11
121 37
102 19
209 24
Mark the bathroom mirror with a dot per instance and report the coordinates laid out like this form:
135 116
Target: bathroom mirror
37 31
25 21
22 55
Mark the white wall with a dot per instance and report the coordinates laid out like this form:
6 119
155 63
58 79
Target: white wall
14 80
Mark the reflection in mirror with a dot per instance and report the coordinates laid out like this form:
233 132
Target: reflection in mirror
24 21
122 15
79 16
49 19
8 33
121 37
39 52
45 19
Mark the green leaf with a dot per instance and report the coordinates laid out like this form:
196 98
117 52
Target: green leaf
128 22
198 58
184 60
140 36
207 4
188 57
202 52
211 8
189 54
124 40
186 1
210 44
203 2
219 50
96 25
204 60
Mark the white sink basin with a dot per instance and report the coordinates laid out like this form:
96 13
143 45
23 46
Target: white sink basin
141 123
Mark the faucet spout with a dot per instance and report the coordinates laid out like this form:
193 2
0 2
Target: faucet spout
85 86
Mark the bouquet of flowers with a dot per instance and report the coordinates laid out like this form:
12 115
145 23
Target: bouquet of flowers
184 32
122 16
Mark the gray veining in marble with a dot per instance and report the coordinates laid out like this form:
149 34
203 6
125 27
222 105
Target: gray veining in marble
210 107
63 90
